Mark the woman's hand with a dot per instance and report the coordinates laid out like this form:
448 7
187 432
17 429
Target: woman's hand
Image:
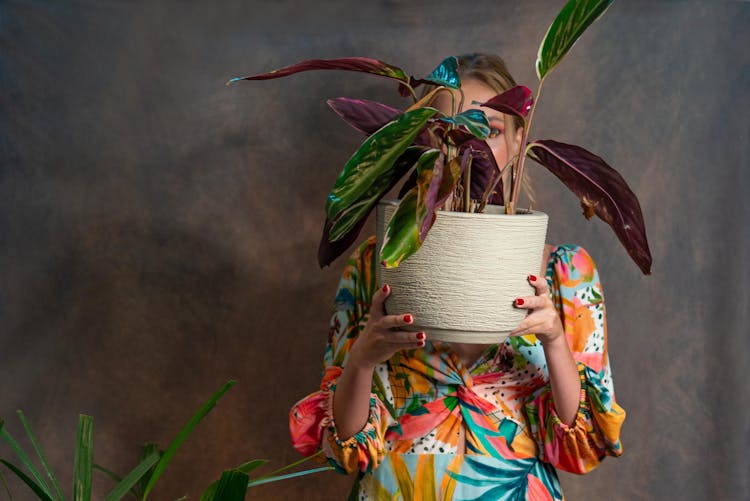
543 318
382 336
544 321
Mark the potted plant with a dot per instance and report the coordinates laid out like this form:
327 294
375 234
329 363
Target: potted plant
450 174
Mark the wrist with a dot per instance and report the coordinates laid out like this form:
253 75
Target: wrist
553 340
355 364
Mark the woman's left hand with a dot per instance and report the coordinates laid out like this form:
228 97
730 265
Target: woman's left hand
543 318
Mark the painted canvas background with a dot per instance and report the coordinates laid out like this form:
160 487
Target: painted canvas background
158 229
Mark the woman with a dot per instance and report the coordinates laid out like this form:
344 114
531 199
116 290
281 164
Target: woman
430 420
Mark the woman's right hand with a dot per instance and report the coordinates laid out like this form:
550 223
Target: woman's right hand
382 336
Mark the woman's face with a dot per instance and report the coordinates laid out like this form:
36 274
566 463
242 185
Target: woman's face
504 136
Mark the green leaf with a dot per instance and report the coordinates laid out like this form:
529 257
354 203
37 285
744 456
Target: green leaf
84 459
446 73
180 438
390 175
401 238
251 465
376 155
145 452
232 486
5 484
474 120
25 461
571 22
209 493
127 483
33 485
117 478
42 458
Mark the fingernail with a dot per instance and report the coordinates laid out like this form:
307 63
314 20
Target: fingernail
421 336
532 278
519 301
386 288
421 343
408 318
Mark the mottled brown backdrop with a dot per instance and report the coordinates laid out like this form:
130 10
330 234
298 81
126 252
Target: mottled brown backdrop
158 229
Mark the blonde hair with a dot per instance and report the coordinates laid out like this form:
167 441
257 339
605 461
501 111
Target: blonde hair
491 70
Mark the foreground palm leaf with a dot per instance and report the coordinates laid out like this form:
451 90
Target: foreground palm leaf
568 26
182 435
38 482
232 486
602 192
32 438
125 485
376 155
28 481
84 459
359 64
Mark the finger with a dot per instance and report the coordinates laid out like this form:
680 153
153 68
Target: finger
377 309
395 321
406 339
532 302
539 283
539 322
525 328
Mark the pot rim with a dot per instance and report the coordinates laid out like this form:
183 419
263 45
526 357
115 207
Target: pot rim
500 211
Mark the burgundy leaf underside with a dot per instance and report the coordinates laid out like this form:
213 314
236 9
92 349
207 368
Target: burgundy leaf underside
434 198
602 192
360 64
516 101
364 115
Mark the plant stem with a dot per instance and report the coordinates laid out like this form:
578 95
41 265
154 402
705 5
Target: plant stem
467 186
292 465
510 206
266 480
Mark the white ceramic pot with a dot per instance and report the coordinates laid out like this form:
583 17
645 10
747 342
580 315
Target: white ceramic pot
461 284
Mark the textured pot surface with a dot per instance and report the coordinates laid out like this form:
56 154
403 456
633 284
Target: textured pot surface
461 284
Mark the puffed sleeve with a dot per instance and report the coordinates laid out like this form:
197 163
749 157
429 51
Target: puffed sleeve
580 447
311 420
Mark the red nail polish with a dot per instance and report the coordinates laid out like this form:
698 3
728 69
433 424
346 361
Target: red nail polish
420 336
408 318
386 288
421 343
519 301
532 278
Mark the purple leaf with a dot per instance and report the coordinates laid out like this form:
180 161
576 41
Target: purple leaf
516 101
365 116
483 165
360 64
602 192
328 251
430 187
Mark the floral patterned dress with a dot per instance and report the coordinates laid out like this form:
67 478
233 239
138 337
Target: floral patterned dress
438 430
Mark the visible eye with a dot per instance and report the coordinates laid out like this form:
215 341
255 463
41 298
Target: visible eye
495 132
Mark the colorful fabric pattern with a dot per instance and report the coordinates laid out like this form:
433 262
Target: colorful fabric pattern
440 430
